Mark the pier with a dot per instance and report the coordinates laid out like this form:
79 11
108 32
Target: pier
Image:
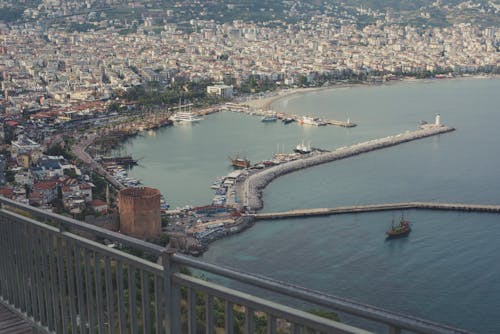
378 207
250 190
281 115
344 124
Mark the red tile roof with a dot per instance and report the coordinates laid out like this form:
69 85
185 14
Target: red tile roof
6 192
97 202
44 185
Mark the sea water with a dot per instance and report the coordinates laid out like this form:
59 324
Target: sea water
446 270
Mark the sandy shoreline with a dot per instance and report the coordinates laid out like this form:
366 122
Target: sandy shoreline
265 103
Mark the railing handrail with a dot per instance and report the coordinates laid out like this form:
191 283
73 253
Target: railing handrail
254 302
380 315
320 298
67 223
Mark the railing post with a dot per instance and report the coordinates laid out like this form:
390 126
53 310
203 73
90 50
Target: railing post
394 330
172 292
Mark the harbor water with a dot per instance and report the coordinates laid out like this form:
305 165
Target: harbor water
446 270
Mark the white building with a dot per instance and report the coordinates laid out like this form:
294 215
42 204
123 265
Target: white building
24 145
221 90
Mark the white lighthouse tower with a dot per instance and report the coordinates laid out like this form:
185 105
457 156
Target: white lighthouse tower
437 122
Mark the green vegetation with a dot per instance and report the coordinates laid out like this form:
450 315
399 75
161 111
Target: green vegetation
153 93
100 186
9 176
259 318
325 314
256 85
61 148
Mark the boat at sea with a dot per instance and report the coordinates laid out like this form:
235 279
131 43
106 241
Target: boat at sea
240 162
306 120
270 117
401 230
303 148
287 120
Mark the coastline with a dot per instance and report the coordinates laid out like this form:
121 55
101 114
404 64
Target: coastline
286 94
265 103
256 101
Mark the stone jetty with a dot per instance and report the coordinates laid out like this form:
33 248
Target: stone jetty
301 213
251 194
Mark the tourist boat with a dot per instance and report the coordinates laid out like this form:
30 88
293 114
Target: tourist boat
240 163
311 121
401 230
185 117
302 148
271 117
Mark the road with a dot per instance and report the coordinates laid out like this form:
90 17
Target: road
79 150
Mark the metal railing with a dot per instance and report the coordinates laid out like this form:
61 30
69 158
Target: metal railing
58 273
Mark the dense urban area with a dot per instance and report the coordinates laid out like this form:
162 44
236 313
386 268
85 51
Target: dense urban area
77 77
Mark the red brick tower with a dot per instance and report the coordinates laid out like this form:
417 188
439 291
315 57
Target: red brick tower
140 212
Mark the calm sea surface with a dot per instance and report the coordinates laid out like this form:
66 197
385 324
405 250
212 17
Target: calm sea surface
446 270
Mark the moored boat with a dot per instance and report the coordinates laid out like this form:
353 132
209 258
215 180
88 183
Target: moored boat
270 117
186 117
302 148
240 163
312 121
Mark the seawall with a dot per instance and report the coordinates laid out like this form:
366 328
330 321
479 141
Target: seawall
255 183
489 208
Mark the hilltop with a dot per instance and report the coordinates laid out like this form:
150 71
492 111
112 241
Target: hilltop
268 12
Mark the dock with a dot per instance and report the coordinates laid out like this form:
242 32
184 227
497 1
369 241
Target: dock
378 207
250 192
343 124
281 115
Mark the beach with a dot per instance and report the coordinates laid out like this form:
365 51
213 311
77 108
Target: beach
265 102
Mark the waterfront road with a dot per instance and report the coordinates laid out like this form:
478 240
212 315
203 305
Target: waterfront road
79 150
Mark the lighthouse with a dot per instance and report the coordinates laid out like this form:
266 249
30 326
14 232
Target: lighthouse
437 122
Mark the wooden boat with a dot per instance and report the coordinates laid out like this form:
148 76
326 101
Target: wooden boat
401 230
240 163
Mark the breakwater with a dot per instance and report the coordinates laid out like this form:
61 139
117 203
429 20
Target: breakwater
378 207
251 194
